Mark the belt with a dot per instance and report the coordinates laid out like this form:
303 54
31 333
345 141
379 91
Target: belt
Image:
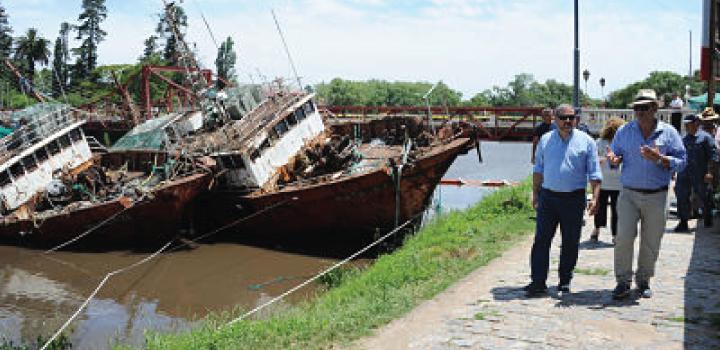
577 192
647 191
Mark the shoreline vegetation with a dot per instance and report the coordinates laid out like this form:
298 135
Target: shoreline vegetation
358 301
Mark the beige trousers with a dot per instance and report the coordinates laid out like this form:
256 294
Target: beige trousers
650 210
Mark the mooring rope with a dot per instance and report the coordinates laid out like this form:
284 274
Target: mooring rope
326 271
138 263
97 289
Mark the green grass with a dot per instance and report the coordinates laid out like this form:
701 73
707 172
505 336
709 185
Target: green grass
592 271
358 302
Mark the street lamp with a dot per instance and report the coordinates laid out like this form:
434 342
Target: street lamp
602 88
586 76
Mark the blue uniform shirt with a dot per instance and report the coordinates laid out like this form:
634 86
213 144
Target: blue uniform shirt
638 172
567 164
700 151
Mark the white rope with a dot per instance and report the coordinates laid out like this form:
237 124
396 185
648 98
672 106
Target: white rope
283 295
97 289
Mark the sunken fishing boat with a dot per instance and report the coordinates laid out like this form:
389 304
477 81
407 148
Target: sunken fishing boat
59 185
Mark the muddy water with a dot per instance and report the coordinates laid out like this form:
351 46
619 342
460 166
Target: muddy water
39 292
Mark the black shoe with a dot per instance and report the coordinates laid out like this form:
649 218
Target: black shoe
682 227
564 289
708 223
622 291
535 290
644 290
594 239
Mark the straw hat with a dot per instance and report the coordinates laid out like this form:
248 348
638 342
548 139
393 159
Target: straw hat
708 114
645 96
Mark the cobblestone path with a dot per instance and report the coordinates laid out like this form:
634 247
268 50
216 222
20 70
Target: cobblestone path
488 309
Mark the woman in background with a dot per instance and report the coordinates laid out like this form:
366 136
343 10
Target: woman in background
610 186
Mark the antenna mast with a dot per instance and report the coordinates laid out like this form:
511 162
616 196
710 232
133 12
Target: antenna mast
287 51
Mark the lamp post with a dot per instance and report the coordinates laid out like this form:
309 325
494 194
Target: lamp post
586 76
576 63
602 88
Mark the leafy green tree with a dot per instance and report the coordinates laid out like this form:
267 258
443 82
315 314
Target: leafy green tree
31 49
61 55
90 34
164 31
225 62
6 39
663 82
152 48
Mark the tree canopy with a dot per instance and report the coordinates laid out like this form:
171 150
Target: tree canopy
225 62
664 83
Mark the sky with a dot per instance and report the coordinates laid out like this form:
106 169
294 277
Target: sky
471 45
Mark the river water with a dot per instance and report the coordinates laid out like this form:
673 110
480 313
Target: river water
39 292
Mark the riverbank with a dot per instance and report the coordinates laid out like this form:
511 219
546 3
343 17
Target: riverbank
442 253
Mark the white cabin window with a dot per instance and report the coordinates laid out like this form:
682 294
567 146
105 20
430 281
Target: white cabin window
291 119
41 155
53 148
281 128
17 171
75 135
5 179
29 162
309 107
299 114
65 141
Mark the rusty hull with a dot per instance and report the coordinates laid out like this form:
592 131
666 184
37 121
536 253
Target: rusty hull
356 205
154 219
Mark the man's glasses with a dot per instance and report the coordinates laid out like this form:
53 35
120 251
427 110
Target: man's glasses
566 117
641 108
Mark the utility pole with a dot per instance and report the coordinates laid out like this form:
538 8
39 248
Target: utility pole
576 70
713 45
690 72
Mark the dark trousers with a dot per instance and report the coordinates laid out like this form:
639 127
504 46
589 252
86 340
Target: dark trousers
684 186
553 209
611 197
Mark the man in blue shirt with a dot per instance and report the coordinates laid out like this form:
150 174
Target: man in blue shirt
564 161
650 150
697 175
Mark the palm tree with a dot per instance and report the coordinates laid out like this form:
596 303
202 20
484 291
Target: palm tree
30 49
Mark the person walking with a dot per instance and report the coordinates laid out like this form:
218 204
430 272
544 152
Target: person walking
610 185
650 150
564 161
676 104
540 130
702 158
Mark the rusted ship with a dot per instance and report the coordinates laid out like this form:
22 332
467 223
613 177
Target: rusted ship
53 188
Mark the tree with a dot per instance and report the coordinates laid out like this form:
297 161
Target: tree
225 62
30 49
6 39
163 30
94 12
151 49
61 56
664 84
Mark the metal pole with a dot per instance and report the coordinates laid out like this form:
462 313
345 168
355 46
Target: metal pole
287 51
576 78
713 34
690 71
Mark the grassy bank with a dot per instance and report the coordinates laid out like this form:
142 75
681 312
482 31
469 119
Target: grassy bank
440 254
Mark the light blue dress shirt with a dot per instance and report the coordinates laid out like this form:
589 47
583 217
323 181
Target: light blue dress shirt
566 165
640 173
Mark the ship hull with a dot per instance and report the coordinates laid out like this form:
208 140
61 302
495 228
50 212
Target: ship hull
359 206
154 219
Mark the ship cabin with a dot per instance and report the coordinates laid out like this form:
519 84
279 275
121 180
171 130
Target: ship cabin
292 126
49 139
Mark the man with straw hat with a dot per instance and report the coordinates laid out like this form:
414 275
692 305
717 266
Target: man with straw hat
650 150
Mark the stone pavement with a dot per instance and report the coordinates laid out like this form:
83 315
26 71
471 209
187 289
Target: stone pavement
488 310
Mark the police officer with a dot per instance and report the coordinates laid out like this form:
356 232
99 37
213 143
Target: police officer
698 174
